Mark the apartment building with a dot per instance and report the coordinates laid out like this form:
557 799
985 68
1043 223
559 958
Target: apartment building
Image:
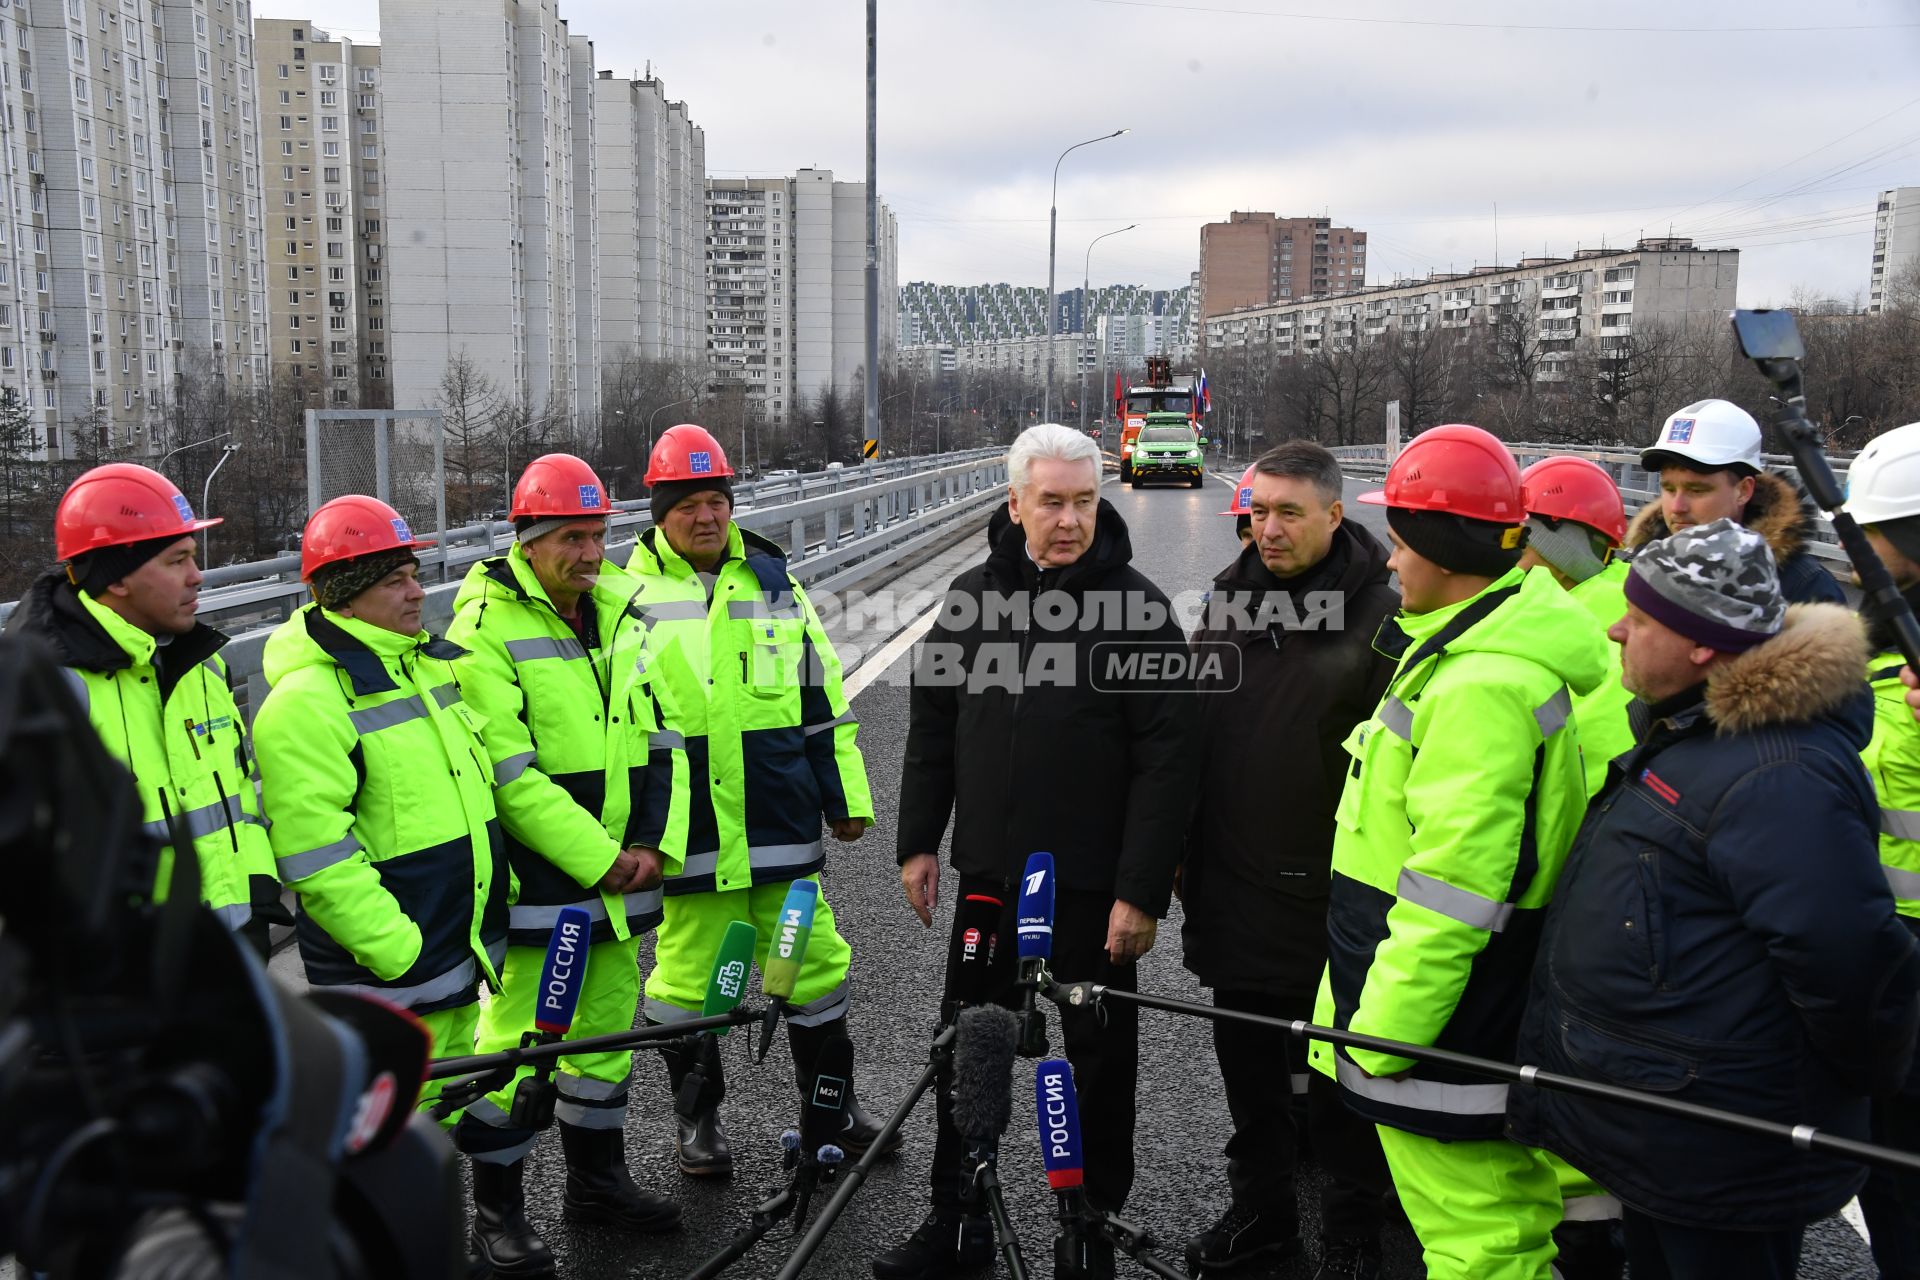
486 179
321 137
1896 244
1259 259
786 286
1595 300
130 246
953 314
650 206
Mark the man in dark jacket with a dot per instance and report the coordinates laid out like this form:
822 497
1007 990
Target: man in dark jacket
1030 715
1723 933
1708 461
1298 609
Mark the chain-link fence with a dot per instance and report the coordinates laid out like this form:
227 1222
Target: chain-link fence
396 455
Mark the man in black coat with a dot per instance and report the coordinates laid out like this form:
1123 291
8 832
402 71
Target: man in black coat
1723 932
1298 609
1038 722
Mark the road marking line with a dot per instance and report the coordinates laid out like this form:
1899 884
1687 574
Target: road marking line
876 663
1856 1219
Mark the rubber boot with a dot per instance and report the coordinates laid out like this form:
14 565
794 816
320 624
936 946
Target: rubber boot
600 1188
699 1086
502 1240
861 1128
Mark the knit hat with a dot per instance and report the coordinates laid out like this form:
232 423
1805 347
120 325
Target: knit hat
527 528
1715 584
663 497
1459 543
1568 546
335 585
95 571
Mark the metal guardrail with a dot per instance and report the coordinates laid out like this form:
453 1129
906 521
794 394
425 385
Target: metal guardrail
1638 486
840 527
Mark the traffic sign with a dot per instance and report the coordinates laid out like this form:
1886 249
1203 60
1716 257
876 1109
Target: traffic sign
870 448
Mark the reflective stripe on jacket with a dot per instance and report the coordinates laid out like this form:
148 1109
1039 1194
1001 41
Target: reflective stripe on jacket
580 766
381 795
752 685
1463 794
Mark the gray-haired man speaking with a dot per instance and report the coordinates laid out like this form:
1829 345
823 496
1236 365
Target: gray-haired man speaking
1038 724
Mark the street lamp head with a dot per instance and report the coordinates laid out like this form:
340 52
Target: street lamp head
1117 132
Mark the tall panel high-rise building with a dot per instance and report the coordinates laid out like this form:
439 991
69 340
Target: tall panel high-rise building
130 247
786 286
484 183
320 137
1896 246
1258 259
651 163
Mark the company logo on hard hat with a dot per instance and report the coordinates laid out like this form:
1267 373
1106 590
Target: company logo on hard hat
1681 432
400 530
700 463
1246 496
589 497
180 506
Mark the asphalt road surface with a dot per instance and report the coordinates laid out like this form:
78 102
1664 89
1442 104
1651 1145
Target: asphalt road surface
1180 542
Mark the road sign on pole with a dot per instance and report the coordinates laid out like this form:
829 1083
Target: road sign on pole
869 448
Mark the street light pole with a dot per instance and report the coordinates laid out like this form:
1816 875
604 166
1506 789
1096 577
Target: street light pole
1086 291
206 492
656 413
183 448
1053 220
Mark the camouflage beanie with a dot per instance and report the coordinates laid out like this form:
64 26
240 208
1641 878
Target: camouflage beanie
1715 584
335 585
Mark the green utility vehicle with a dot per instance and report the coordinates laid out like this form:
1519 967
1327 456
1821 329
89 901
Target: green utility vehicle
1168 448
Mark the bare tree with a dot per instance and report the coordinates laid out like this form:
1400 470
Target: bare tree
469 419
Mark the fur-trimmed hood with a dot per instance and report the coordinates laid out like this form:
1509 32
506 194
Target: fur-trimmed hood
1778 512
1810 670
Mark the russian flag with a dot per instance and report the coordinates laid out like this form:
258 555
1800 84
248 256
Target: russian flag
1205 399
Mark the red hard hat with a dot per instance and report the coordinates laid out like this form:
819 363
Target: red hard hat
350 527
1575 489
120 503
687 452
1242 504
1457 469
559 486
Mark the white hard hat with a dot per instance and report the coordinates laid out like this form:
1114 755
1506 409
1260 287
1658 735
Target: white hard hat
1707 434
1884 481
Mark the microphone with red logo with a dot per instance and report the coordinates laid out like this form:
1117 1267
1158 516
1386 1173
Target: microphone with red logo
1084 1247
1034 936
976 940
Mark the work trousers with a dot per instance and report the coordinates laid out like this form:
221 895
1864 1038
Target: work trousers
592 1087
1101 1045
1483 1210
1265 1149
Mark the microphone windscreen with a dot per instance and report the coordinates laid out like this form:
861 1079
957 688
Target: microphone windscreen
731 964
1036 908
398 1050
791 932
976 936
983 1053
824 1118
564 973
1057 1107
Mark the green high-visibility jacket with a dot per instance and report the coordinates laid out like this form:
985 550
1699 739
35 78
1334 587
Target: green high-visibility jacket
1605 730
168 715
1463 795
753 685
582 766
1893 758
381 796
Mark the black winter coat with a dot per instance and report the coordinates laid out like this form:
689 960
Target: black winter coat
1723 934
1035 736
1255 880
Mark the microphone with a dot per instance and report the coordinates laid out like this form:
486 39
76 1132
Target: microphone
976 939
1057 1107
562 975
781 969
984 1049
727 984
1034 937
822 1120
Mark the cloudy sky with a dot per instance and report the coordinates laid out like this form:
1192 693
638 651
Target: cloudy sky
1763 124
